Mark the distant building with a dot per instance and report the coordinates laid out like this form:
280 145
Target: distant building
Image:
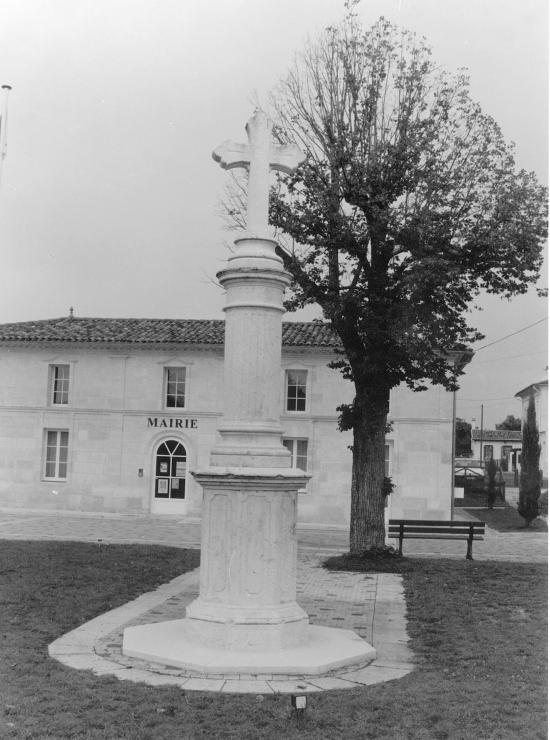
540 392
501 445
111 415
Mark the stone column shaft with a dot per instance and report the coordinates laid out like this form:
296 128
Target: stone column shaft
250 431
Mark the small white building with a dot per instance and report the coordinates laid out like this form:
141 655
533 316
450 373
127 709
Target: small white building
111 415
540 393
501 445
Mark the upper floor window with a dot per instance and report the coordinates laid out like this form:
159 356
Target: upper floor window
296 382
298 452
175 387
59 384
57 452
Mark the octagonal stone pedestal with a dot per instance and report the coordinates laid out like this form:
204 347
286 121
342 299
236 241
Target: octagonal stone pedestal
246 618
324 650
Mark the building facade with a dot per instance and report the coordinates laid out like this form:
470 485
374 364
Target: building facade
112 415
501 445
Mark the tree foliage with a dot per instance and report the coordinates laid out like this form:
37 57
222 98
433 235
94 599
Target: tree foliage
407 206
529 480
511 422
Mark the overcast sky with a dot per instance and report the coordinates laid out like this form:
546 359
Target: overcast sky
109 200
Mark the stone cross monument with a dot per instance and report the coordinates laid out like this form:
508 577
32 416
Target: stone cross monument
260 156
246 618
248 586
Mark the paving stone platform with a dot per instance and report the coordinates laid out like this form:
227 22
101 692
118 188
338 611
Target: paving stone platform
370 604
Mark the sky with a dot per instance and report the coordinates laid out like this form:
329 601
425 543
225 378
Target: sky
110 199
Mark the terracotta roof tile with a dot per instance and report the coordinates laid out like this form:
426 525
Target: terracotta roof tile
496 435
153 331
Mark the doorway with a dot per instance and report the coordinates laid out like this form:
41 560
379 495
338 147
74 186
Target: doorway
170 478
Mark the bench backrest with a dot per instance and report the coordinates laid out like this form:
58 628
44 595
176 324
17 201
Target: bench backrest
426 526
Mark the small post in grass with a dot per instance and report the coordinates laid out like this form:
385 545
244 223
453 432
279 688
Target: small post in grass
299 702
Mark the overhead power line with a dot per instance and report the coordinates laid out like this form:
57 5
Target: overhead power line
484 400
512 357
512 334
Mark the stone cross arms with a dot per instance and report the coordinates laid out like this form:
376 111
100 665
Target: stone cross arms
260 155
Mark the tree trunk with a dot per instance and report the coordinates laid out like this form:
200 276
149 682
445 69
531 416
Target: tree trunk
367 527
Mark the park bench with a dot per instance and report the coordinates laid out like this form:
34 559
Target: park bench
428 529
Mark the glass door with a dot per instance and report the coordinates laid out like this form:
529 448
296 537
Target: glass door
170 473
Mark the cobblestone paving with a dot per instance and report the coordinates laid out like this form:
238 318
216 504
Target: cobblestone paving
341 600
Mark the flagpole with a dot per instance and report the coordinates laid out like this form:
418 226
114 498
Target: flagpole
4 127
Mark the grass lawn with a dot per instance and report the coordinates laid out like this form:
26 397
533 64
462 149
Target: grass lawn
507 519
478 630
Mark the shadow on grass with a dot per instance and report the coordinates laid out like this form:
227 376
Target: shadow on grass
383 560
477 629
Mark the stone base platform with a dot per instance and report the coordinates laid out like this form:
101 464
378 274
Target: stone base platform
326 649
371 605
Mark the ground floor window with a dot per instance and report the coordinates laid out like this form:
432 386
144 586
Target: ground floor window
57 452
488 452
298 452
170 470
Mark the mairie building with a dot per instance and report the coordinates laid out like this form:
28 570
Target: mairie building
107 415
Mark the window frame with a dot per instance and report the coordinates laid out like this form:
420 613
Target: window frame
52 381
57 461
166 381
294 452
306 391
488 452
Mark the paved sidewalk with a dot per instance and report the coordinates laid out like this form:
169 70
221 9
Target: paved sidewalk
520 546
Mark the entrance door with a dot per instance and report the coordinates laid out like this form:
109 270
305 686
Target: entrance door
170 478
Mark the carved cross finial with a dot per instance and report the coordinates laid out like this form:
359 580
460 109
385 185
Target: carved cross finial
260 155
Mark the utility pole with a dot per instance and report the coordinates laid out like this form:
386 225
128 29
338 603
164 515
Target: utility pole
3 126
481 440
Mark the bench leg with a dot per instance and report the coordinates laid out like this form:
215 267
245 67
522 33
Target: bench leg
470 543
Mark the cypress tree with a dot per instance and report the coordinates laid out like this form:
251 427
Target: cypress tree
491 489
529 482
